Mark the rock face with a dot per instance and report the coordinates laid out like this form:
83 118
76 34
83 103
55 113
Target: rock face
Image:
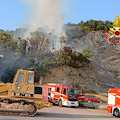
85 76
106 63
106 60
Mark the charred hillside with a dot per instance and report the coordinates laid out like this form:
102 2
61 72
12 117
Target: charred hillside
98 73
105 64
106 58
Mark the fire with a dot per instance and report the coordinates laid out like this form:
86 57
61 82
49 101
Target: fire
63 34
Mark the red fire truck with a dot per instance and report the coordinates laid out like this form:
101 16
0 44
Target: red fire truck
64 95
114 102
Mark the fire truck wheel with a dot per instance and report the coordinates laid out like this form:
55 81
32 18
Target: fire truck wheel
116 112
60 103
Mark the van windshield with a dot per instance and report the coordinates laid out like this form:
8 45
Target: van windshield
72 92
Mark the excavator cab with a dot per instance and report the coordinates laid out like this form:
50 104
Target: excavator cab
24 86
24 82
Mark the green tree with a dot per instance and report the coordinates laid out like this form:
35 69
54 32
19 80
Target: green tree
94 25
7 42
87 52
39 43
70 58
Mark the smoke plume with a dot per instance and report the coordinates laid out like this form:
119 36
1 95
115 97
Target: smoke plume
45 14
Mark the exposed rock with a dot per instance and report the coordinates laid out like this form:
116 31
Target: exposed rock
106 60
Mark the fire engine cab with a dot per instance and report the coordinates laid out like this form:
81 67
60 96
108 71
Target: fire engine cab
64 95
114 102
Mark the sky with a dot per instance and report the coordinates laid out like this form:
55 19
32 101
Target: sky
12 12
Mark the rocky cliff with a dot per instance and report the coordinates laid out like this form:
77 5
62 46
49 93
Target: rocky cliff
106 59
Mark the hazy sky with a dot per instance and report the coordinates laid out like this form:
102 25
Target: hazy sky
12 12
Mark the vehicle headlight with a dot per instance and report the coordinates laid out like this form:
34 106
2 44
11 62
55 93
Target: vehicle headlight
19 86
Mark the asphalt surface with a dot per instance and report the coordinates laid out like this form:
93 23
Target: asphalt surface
66 113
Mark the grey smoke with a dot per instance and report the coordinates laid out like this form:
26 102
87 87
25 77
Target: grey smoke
45 14
10 63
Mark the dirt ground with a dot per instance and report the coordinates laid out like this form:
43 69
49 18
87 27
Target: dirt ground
65 113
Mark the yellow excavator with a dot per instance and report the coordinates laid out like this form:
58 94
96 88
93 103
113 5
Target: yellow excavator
23 97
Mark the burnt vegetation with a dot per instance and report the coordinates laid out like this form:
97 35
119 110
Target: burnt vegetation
38 54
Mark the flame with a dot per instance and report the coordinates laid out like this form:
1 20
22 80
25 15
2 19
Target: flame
63 34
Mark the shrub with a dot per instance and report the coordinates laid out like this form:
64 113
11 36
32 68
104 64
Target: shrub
90 91
73 59
77 85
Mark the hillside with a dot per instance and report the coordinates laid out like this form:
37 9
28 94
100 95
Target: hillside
106 59
85 76
103 72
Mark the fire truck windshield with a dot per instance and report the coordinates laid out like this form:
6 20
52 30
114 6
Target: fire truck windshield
72 92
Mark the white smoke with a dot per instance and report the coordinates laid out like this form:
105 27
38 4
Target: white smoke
45 14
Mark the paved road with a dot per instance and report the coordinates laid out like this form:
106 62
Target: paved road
64 113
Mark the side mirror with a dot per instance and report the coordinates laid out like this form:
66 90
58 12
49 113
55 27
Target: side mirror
81 92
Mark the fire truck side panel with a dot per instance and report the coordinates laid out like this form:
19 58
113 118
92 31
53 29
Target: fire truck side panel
109 109
113 100
52 92
58 92
118 97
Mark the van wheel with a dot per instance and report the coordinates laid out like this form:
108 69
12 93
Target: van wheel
116 112
60 103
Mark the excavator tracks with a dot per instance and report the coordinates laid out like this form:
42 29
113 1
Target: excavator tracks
10 107
13 113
